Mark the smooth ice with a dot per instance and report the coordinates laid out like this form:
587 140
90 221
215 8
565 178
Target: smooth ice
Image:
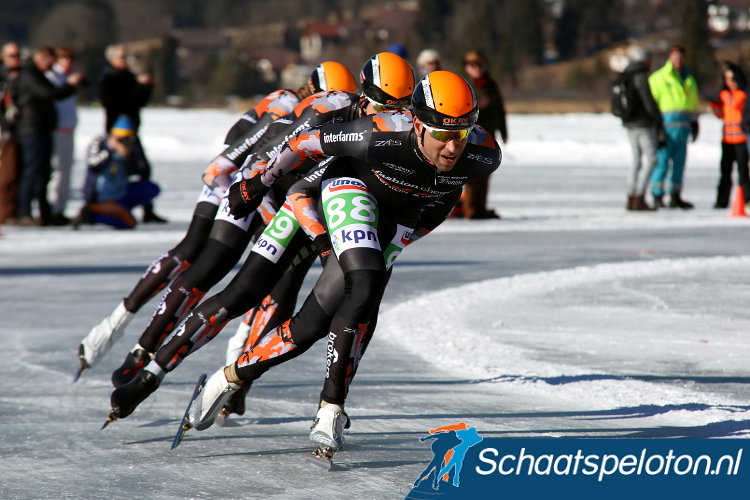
570 317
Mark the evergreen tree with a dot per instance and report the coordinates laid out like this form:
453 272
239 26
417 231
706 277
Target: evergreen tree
523 43
588 25
698 51
431 21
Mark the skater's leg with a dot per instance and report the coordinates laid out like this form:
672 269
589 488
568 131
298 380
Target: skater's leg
208 319
365 280
276 308
281 343
174 261
220 254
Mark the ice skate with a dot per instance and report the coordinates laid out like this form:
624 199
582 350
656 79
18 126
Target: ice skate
126 399
235 404
185 424
327 432
134 362
210 401
83 364
103 336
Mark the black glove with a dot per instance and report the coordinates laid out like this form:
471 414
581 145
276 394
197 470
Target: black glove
694 129
323 244
245 196
661 137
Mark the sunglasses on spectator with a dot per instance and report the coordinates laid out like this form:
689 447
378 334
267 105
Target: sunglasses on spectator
127 140
448 135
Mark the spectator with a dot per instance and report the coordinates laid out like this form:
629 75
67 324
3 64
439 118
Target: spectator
35 95
62 139
123 93
427 61
644 126
676 93
109 194
399 49
730 106
492 119
9 162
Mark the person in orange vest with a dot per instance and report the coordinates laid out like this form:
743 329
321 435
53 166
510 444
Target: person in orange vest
729 106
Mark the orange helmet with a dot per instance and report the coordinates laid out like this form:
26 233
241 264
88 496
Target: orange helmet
331 76
387 79
444 100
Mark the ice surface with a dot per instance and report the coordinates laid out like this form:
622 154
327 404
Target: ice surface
568 318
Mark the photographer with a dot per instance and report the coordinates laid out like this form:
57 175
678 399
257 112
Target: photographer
109 192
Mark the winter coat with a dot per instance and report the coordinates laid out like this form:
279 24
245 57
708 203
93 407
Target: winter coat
105 174
8 109
491 117
34 96
121 94
645 111
67 117
677 96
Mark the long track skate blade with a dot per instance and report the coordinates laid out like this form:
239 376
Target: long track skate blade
321 458
184 425
78 374
110 418
82 367
221 418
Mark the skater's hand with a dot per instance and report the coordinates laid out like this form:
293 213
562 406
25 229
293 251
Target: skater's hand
245 196
694 129
323 244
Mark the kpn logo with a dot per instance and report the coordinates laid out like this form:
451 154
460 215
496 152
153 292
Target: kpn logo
449 445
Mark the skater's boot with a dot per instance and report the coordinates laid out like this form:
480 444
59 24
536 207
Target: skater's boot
328 429
134 361
236 344
206 407
104 335
236 404
676 201
640 205
126 399
630 205
659 201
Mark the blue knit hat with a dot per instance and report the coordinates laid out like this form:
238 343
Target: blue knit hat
123 127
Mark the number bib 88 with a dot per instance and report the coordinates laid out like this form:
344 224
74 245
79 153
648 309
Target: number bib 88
351 214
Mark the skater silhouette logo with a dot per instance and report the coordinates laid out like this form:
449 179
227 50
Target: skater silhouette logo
449 446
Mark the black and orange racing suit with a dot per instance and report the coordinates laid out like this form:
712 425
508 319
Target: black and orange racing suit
374 194
219 257
236 145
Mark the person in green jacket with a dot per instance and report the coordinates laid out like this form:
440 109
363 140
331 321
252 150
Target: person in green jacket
676 93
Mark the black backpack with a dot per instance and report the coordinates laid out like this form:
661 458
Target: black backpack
622 95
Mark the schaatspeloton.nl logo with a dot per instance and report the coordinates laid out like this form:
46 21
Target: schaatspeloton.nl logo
465 464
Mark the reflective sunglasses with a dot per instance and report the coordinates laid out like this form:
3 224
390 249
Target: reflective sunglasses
382 107
448 135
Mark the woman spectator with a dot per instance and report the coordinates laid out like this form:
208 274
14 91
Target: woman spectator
729 106
492 119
